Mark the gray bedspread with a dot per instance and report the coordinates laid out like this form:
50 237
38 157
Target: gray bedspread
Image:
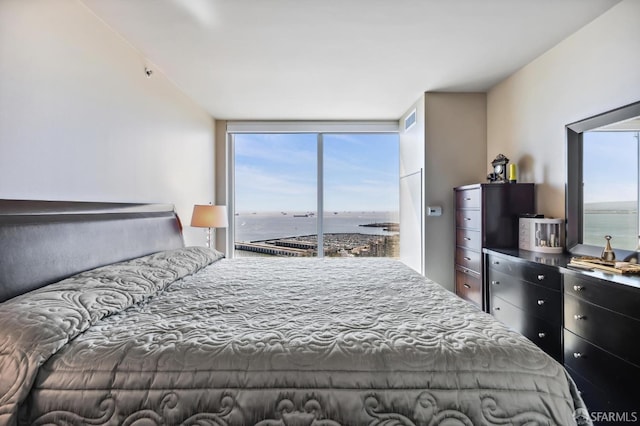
268 342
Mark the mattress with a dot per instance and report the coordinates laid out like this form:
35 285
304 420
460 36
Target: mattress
185 337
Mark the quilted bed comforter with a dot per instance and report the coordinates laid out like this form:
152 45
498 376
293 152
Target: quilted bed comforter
182 337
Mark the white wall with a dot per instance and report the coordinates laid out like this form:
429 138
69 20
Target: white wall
79 120
593 71
449 143
412 188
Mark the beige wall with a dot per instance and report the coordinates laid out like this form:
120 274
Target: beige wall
594 70
79 120
221 179
455 152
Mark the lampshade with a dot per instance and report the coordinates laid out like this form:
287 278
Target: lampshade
208 216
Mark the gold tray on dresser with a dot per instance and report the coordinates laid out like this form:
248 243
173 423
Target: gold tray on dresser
605 265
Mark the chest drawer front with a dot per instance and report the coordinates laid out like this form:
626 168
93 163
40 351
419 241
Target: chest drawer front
469 239
468 198
534 300
469 287
534 273
613 332
468 219
545 335
468 258
616 297
615 377
594 398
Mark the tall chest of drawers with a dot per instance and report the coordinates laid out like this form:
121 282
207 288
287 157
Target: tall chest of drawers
486 215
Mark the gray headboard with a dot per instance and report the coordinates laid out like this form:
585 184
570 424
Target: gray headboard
42 242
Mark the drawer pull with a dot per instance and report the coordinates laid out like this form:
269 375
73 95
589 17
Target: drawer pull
579 317
497 308
541 335
540 302
577 355
495 282
541 277
467 218
466 285
495 262
467 198
467 258
578 288
467 239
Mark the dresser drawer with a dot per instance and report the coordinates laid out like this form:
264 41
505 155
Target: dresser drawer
469 287
468 219
545 335
615 297
533 299
607 329
534 273
594 398
468 198
469 259
614 376
469 239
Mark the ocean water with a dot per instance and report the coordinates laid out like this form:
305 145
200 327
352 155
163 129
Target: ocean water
263 226
622 226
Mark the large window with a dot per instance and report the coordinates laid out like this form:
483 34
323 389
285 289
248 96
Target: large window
316 194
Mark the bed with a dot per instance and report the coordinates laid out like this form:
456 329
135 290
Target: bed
107 319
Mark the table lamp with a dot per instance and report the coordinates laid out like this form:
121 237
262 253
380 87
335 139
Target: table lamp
209 216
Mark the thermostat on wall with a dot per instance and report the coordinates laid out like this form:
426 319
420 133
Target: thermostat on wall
434 211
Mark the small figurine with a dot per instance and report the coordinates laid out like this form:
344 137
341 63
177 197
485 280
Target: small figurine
608 253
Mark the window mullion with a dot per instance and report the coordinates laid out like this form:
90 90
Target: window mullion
320 193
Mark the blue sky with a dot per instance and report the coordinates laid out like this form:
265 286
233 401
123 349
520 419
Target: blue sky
610 166
278 172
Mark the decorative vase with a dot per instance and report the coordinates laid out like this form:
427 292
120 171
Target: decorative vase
608 253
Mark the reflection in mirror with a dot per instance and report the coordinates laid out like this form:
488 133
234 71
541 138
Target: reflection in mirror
610 184
603 181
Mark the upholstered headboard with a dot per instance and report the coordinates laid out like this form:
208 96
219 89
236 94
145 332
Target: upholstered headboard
45 241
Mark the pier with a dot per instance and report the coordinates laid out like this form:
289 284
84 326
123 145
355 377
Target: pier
274 250
338 244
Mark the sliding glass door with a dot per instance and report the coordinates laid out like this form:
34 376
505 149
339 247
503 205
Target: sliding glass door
315 194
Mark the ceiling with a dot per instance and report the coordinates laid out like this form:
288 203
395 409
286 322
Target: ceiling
338 59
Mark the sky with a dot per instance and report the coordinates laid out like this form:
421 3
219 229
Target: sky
278 172
610 165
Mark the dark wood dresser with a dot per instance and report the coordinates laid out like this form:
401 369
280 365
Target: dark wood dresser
588 320
486 216
527 296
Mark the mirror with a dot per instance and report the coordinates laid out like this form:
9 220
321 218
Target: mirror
602 194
